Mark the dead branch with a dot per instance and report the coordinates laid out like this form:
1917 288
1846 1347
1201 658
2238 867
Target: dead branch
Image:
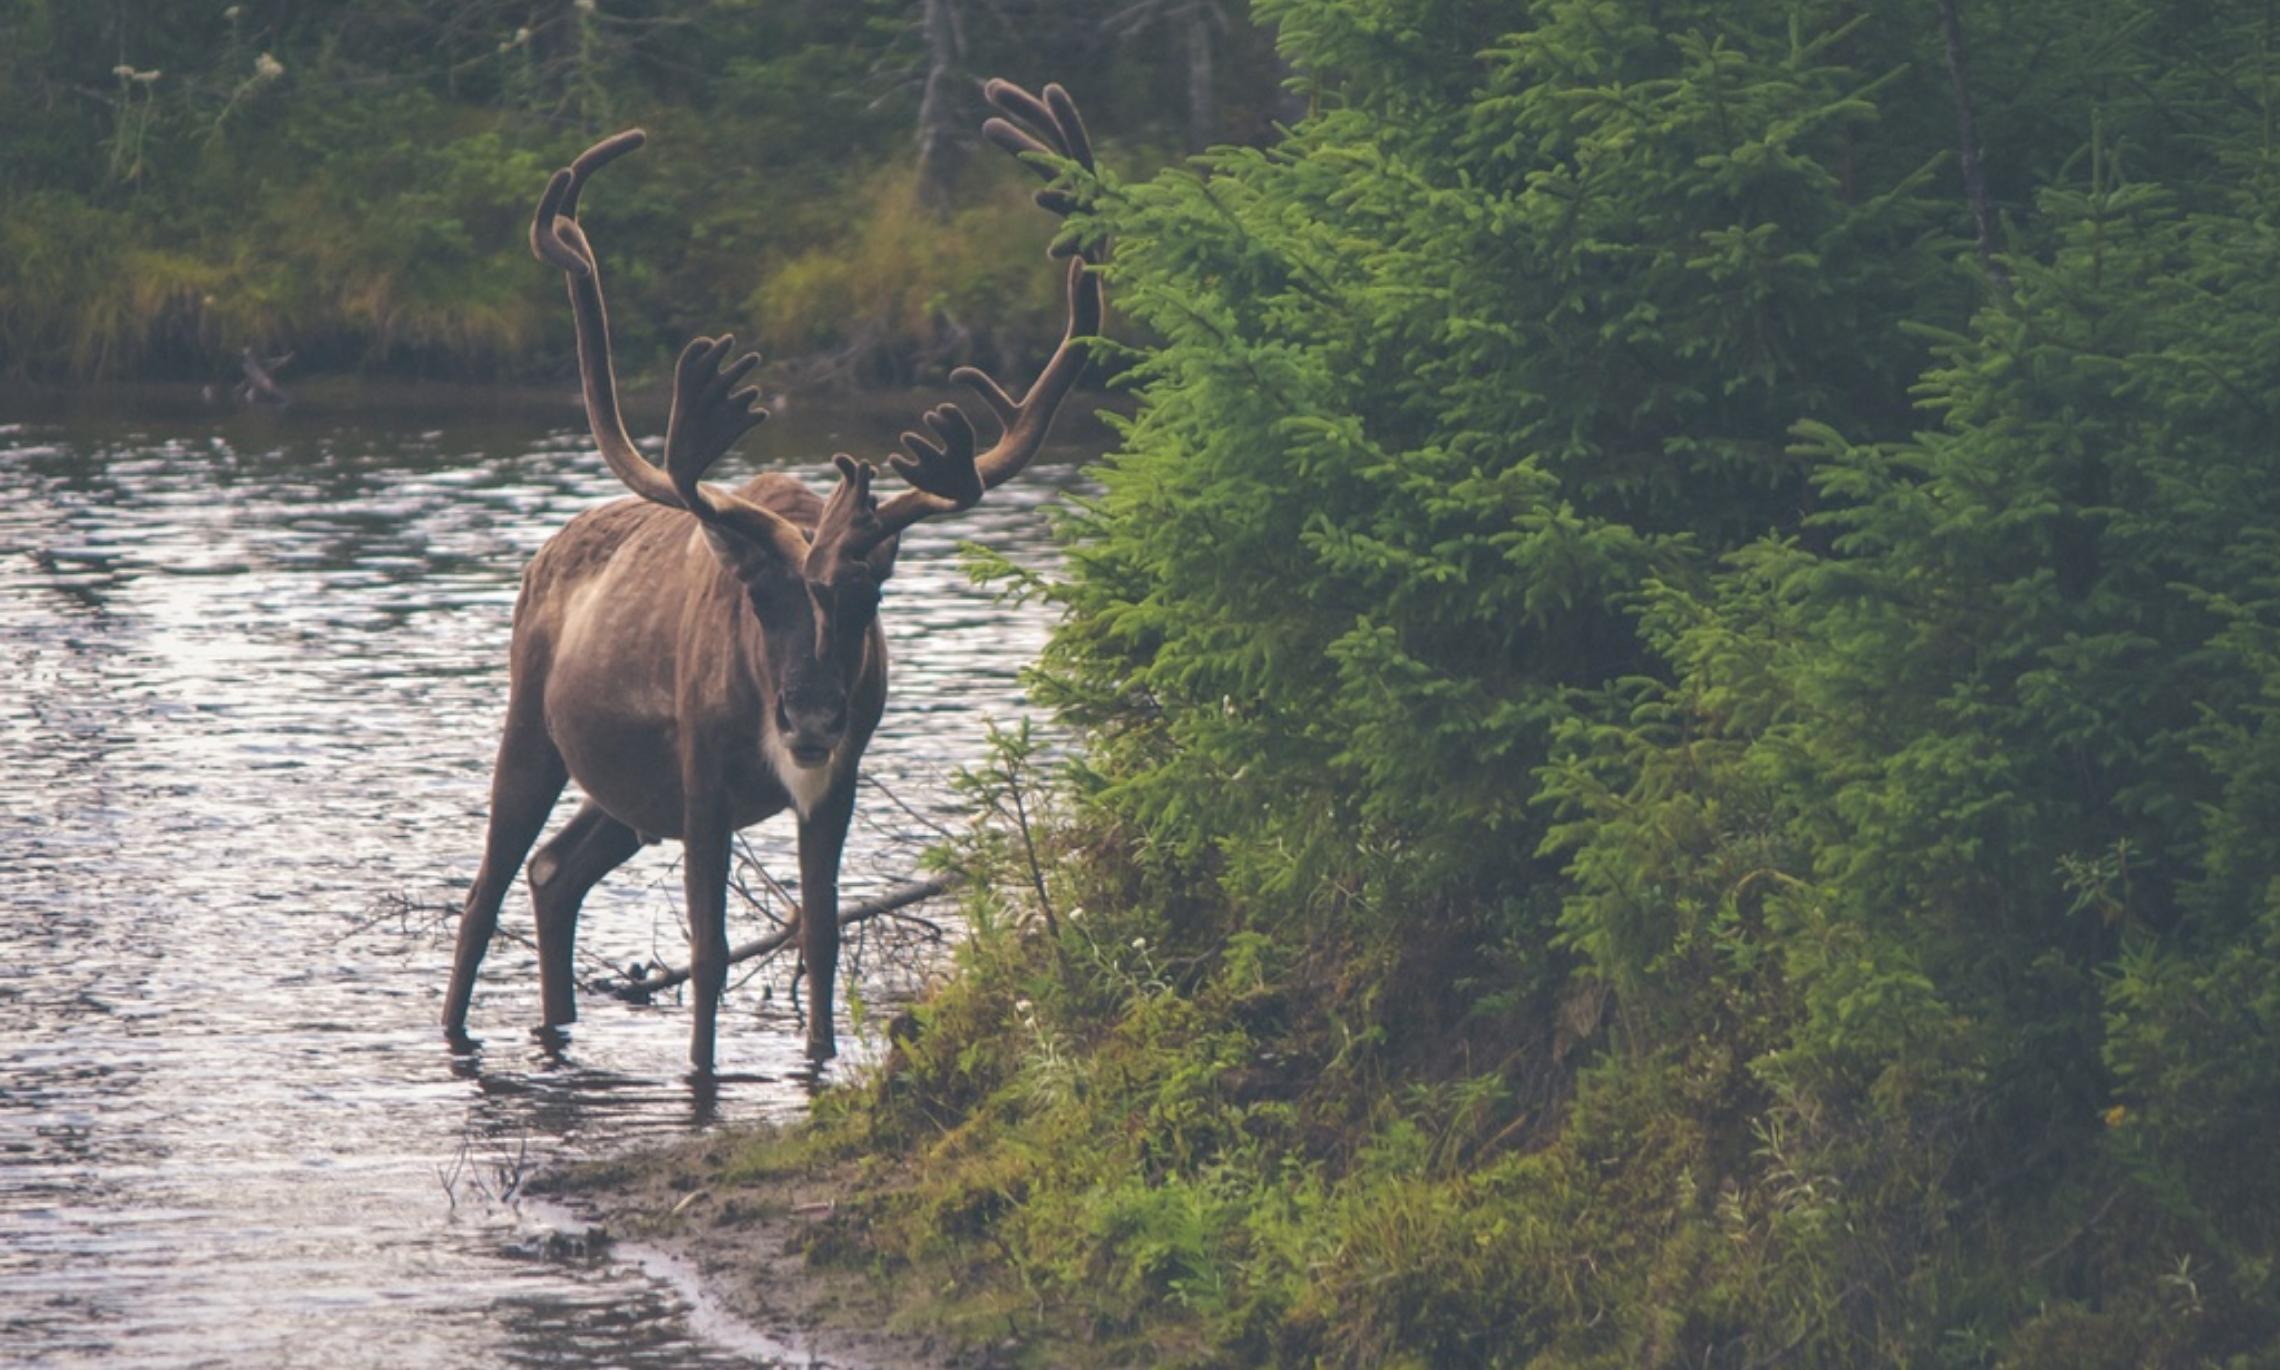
640 991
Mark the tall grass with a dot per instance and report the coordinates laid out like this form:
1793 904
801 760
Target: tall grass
407 254
903 291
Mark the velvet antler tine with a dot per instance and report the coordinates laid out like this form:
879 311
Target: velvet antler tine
1017 103
1076 144
730 374
545 232
1018 141
858 475
951 422
593 159
921 448
1037 129
942 466
608 150
960 482
939 468
988 391
686 464
1087 300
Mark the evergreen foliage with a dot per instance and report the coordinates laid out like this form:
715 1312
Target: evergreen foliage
1671 772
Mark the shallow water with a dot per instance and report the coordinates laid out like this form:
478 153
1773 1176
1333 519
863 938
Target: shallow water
251 672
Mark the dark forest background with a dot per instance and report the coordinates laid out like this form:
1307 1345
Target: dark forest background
352 178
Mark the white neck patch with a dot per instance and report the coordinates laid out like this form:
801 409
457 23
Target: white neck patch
806 787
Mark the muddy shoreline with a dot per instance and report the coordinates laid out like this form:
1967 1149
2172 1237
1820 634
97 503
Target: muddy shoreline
746 1243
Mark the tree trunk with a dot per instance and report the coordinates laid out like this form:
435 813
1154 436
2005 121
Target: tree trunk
1203 99
1967 136
554 45
938 145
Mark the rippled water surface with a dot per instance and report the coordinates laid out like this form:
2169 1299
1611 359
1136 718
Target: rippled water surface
251 672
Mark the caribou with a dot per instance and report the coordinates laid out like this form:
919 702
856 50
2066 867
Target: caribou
699 658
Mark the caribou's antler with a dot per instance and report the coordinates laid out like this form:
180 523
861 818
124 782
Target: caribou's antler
1056 117
709 413
944 471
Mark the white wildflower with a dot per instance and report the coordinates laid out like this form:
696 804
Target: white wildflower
267 68
522 36
1021 1006
123 72
1139 944
233 12
585 6
146 77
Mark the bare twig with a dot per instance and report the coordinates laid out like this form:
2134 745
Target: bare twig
1029 850
2076 1235
638 991
930 824
450 1178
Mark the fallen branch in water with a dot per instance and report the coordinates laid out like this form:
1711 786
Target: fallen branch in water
639 991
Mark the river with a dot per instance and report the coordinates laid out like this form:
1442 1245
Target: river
252 665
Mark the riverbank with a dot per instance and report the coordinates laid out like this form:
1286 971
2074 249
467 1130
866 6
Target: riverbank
477 418
778 1240
750 1238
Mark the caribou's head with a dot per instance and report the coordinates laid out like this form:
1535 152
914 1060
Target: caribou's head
815 597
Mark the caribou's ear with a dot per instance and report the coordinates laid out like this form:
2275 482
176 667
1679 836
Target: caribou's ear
881 558
756 552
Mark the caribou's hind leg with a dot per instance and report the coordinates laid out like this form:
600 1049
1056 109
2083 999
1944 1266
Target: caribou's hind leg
525 782
590 846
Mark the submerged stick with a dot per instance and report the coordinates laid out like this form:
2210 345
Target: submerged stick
901 896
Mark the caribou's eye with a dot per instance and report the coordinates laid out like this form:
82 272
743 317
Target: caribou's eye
849 593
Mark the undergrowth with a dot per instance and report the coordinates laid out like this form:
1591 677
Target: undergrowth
1672 767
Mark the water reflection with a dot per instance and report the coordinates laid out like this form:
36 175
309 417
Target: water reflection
254 673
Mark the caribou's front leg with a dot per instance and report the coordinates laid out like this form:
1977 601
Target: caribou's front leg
823 834
704 868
